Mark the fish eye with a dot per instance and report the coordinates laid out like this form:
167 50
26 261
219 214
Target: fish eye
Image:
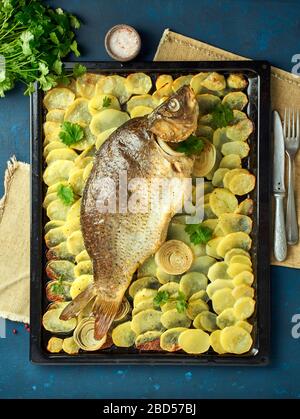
174 105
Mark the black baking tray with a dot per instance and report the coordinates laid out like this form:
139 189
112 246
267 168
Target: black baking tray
258 74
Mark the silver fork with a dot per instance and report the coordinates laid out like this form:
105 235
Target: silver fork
291 132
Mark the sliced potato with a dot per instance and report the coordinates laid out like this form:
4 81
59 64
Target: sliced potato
141 100
169 339
107 119
236 268
86 84
55 345
162 80
58 290
196 81
245 277
231 161
244 325
162 94
210 223
144 294
70 346
147 320
123 335
58 171
194 341
148 268
52 322
242 183
192 282
53 224
216 343
76 181
149 282
49 198
144 305
101 102
148 341
218 177
113 85
138 83
83 268
226 318
245 207
229 175
54 145
140 111
101 138
235 252
87 171
214 81
171 288
208 213
172 318
80 284
231 223
58 269
181 81
82 256
55 236
218 284
240 131
235 340
57 210
58 98
235 100
209 175
202 295
52 130
195 307
234 240
220 138
61 154
75 243
236 81
206 321
221 201
218 271
169 305
211 247
55 115
163 277
78 112
236 147
205 131
244 308
242 290
60 252
202 264
222 299
207 102
241 259
87 141
74 211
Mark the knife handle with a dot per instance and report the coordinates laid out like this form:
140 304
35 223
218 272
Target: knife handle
280 246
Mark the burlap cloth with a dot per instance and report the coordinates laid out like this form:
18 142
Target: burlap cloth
15 204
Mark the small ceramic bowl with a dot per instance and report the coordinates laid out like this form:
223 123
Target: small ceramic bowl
122 43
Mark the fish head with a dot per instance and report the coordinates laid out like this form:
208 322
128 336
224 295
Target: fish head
175 119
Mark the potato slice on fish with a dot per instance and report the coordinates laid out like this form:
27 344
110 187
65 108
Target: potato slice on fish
78 112
53 224
148 268
195 307
242 183
226 318
58 171
113 85
231 223
235 100
215 342
206 321
192 282
205 160
101 138
234 252
148 341
242 290
57 269
162 80
55 115
222 200
196 82
169 339
239 148
240 131
218 271
80 284
147 320
181 81
245 207
194 341
82 256
172 318
231 161
52 323
211 247
138 111
207 102
58 98
84 336
102 101
222 299
53 146
61 154
57 210
229 176
70 346
54 345
83 268
235 340
75 243
60 252
107 119
86 84
149 282
138 83
236 81
214 81
234 240
218 284
141 100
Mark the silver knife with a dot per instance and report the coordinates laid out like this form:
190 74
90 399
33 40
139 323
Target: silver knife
280 246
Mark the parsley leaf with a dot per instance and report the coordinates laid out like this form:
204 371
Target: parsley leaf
161 298
181 303
65 194
71 133
79 70
106 102
199 234
222 115
58 287
193 145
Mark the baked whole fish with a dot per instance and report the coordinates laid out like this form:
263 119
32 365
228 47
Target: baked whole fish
119 241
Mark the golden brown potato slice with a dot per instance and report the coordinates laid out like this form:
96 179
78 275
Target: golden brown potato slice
58 98
138 83
55 115
78 112
214 81
221 201
235 100
242 183
162 80
236 81
233 240
235 340
86 84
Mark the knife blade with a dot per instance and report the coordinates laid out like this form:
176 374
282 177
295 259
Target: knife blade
280 245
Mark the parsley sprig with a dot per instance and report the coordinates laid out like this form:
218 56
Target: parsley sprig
163 297
71 133
193 145
58 287
106 102
65 194
34 38
199 234
222 115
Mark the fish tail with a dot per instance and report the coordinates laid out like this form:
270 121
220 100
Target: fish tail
79 303
104 312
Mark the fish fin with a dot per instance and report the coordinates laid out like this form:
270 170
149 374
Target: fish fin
104 312
79 303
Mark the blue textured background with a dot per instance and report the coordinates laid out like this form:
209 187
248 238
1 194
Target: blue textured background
262 29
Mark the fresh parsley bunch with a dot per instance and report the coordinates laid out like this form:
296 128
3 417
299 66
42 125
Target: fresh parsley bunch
34 39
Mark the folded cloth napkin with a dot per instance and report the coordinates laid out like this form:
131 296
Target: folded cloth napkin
285 92
15 243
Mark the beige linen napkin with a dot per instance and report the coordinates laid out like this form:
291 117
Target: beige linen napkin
285 92
15 243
